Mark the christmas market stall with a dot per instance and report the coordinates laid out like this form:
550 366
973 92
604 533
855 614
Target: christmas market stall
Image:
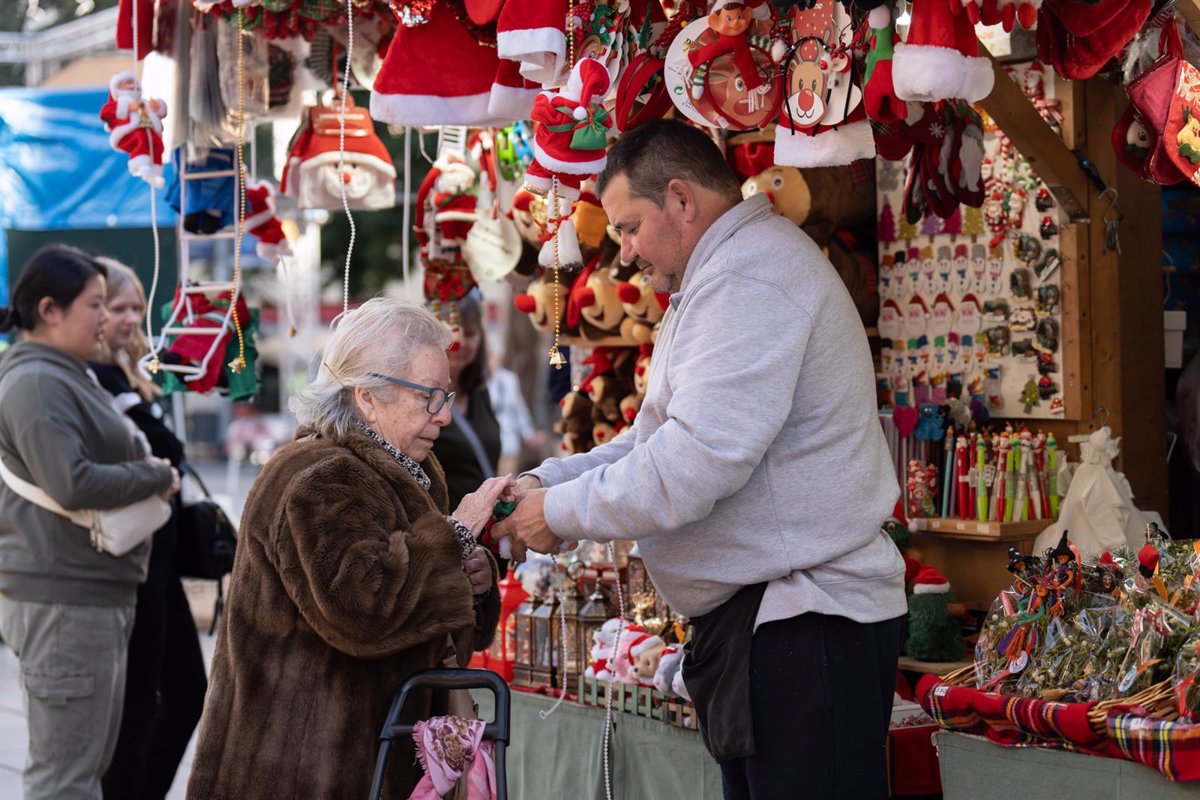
983 176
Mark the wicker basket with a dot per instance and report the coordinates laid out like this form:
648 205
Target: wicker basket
1157 700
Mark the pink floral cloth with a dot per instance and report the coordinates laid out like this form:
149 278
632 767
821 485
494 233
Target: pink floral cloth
449 746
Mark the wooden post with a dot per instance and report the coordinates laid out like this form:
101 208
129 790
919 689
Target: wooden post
1125 321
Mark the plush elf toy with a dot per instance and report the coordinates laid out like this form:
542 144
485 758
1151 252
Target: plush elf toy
934 633
731 21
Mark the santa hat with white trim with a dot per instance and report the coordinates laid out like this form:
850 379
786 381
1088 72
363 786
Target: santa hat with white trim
939 58
930 581
436 74
534 32
642 643
512 95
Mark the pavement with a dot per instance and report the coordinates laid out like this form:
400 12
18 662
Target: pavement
229 487
14 736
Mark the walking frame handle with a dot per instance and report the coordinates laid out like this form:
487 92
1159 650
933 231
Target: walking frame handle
498 731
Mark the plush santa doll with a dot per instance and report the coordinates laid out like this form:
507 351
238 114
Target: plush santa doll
446 208
571 130
262 222
135 127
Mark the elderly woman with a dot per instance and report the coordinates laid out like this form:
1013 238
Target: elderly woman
350 575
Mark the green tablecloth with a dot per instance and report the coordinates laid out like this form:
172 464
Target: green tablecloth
975 769
560 758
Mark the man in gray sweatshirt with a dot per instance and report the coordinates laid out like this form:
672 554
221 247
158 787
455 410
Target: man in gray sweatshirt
755 478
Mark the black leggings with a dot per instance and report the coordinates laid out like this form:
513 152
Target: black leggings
164 686
821 694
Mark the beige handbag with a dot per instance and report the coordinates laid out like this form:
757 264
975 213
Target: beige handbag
116 530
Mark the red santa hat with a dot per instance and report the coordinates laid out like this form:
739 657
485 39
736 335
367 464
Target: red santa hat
891 303
436 74
534 33
943 298
643 642
970 299
960 251
930 581
917 300
512 95
939 58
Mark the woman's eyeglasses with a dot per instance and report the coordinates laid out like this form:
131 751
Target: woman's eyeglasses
436 397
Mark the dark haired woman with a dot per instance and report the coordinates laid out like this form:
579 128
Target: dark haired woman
469 447
164 690
66 608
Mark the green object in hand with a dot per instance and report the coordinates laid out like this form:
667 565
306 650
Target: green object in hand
503 509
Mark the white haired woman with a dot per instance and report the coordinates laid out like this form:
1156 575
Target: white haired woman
350 575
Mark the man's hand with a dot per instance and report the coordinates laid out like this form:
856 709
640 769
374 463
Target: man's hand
525 485
527 526
479 571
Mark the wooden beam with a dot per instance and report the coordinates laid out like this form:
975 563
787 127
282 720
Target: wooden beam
1190 11
1052 160
1125 321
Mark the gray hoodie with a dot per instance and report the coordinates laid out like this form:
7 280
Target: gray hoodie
58 431
757 454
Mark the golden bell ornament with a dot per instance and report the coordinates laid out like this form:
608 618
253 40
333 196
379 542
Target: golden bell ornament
557 359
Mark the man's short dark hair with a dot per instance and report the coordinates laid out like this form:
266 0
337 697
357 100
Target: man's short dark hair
655 152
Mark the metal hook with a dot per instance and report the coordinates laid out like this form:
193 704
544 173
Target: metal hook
1097 412
421 145
1114 196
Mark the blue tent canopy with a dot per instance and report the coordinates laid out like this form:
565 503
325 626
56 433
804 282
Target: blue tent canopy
59 173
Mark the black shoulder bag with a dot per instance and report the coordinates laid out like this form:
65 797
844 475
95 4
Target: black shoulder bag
206 541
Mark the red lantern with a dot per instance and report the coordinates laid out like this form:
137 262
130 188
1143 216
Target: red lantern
499 657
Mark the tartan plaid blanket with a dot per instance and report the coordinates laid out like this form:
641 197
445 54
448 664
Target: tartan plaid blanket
1171 748
1010 721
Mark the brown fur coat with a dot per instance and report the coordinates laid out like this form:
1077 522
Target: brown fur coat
347 580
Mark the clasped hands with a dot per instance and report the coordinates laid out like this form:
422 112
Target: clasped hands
526 527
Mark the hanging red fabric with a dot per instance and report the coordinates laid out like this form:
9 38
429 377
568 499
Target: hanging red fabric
147 13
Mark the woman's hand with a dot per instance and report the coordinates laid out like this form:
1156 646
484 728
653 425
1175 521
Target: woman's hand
479 571
169 492
476 508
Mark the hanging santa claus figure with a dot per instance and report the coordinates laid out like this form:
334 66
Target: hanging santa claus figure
135 127
571 128
261 222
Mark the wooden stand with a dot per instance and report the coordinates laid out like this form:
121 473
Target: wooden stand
974 557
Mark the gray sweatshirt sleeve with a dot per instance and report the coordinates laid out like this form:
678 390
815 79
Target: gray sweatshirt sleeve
733 367
58 461
554 471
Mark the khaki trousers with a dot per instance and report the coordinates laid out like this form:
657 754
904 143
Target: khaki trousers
73 674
